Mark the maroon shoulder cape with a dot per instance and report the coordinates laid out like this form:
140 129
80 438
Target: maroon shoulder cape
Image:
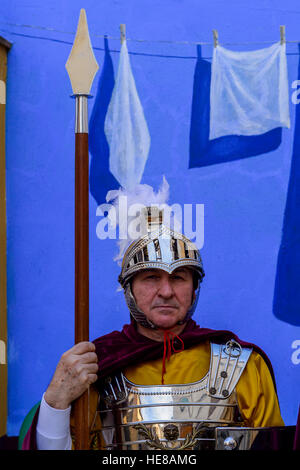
119 349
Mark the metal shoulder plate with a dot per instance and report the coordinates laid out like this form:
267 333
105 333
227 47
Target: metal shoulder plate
227 364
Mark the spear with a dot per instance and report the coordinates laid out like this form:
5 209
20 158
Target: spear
81 67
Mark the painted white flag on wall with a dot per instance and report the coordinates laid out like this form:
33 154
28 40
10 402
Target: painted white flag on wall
126 128
249 91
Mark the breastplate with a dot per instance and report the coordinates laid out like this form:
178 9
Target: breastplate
177 416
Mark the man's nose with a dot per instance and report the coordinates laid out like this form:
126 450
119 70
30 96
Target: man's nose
165 288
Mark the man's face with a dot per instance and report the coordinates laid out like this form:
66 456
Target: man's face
164 298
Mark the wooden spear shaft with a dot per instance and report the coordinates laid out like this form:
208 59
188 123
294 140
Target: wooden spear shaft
81 238
81 405
82 67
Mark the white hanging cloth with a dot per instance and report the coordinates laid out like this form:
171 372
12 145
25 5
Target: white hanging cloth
249 91
126 128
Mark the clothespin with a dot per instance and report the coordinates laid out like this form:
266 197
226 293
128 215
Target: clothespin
123 32
282 34
216 37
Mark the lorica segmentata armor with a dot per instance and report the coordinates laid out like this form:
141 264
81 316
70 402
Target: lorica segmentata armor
177 416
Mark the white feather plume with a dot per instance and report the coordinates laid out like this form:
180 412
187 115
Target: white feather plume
142 194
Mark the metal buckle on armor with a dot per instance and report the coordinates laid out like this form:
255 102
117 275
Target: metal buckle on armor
233 348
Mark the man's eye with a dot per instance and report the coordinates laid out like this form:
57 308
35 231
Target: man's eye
177 277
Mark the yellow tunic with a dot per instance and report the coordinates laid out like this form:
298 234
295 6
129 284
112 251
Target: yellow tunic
256 395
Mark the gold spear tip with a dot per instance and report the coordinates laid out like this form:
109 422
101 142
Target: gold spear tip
81 64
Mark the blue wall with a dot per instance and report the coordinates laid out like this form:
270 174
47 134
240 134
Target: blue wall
250 196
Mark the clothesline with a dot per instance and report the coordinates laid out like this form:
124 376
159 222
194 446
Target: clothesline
157 41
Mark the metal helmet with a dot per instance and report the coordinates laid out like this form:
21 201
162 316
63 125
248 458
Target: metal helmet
160 248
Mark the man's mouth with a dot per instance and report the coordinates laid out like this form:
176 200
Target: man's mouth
166 306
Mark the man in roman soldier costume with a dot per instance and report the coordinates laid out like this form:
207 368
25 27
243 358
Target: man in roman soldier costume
163 382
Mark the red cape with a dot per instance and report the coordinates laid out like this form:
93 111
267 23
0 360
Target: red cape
119 349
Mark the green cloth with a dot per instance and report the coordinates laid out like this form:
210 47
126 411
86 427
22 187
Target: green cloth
26 424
